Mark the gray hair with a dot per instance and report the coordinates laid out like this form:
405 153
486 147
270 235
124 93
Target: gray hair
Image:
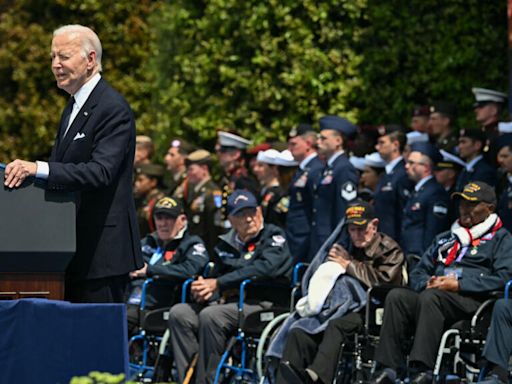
89 40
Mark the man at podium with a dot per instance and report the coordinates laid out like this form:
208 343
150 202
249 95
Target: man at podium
92 156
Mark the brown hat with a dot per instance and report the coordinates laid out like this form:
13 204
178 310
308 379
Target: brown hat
477 191
201 156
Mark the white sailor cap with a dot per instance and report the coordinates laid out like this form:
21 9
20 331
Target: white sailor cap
374 160
449 161
285 159
230 140
357 162
416 137
505 127
269 156
484 96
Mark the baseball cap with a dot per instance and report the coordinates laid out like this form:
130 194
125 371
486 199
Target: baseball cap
477 191
359 213
240 199
168 205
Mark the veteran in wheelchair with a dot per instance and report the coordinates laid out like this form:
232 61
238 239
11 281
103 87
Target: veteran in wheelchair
172 255
251 249
449 284
329 313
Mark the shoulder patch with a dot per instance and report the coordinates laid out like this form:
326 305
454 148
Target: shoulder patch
278 241
349 191
440 210
199 249
217 198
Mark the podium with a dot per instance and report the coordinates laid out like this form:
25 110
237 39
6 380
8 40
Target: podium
37 240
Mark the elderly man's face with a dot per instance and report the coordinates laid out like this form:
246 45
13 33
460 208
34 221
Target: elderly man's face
247 222
167 226
69 66
362 235
473 213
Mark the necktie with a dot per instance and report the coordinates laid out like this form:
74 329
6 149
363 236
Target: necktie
66 115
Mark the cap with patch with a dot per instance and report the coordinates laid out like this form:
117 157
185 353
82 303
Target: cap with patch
338 124
152 170
484 96
473 133
416 137
477 191
429 150
201 156
230 140
421 110
389 128
299 130
169 206
359 213
240 199
443 107
449 161
374 160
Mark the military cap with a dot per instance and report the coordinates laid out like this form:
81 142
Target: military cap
484 96
357 162
389 128
230 140
338 124
477 191
374 160
182 145
285 159
240 199
269 156
505 127
427 149
143 139
359 213
502 141
443 107
169 206
449 161
153 170
421 110
253 151
473 133
299 130
416 137
200 156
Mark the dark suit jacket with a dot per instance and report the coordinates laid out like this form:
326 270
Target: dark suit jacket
95 159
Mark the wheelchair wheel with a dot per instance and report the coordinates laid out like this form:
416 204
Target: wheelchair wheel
264 341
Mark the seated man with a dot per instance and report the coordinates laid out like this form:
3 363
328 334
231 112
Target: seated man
251 249
310 356
498 345
170 251
449 284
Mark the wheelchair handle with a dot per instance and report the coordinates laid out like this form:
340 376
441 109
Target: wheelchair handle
507 289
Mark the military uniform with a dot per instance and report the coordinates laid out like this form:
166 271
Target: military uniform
448 143
177 187
505 205
476 170
335 188
390 198
202 207
274 209
425 215
300 210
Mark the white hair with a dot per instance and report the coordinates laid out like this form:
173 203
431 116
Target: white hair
89 40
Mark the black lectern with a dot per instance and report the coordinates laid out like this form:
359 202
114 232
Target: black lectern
37 240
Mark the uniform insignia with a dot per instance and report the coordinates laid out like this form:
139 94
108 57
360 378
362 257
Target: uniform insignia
196 219
227 255
387 187
283 204
326 180
248 256
199 249
348 191
301 181
473 251
407 193
299 197
278 241
416 206
440 210
217 199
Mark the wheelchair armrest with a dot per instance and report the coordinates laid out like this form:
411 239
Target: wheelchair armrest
507 288
185 287
484 311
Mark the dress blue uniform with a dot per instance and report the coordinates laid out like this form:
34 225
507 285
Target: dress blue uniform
476 170
498 345
425 216
390 198
300 210
336 187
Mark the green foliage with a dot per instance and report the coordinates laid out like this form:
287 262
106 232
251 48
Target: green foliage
417 51
255 66
96 377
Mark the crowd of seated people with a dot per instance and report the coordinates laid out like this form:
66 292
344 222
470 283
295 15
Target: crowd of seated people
354 209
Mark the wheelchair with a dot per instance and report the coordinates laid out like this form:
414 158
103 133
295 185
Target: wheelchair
243 359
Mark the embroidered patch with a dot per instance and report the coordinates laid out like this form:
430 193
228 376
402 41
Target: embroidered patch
348 191
278 241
